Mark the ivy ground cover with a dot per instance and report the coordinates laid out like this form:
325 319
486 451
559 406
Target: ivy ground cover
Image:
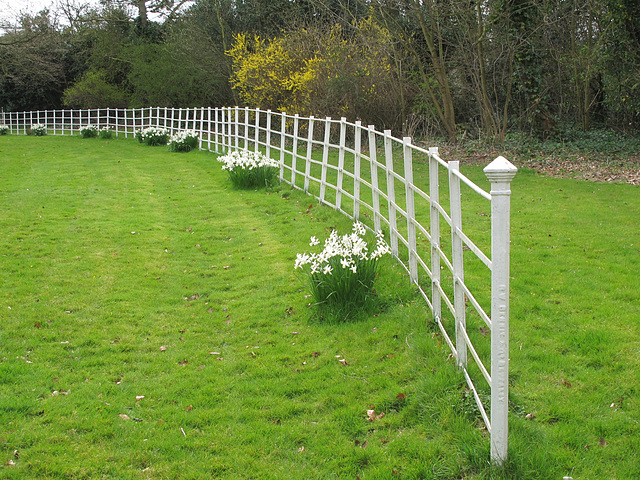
153 326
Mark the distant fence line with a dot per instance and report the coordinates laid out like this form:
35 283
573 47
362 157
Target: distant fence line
356 169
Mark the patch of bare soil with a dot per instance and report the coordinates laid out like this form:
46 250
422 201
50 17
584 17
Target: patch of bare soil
586 167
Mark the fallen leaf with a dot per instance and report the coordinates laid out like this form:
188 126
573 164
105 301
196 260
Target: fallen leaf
10 463
343 362
189 408
124 416
530 416
301 449
401 396
371 414
565 383
183 362
214 353
603 442
139 397
163 348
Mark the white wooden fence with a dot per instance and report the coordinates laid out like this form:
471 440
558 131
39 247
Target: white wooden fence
369 175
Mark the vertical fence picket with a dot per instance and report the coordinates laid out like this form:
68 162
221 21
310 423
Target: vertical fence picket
283 142
341 152
434 224
307 167
246 128
256 146
294 148
407 154
236 132
373 169
391 193
458 264
267 137
357 157
325 158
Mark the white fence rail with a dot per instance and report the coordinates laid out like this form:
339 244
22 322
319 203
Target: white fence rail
369 175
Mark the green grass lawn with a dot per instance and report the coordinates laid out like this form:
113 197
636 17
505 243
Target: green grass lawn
152 326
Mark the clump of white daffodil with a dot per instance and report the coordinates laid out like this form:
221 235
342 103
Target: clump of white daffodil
183 141
343 273
249 169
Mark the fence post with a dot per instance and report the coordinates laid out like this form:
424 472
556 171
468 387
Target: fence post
246 129
373 170
357 157
391 193
341 151
294 149
325 158
256 147
407 153
267 138
455 201
283 142
500 173
307 168
434 222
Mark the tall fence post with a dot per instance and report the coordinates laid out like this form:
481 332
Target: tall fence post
375 193
391 193
341 152
434 222
283 142
325 158
357 157
455 201
294 149
500 173
267 139
256 133
307 167
411 211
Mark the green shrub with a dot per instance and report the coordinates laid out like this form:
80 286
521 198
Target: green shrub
4 129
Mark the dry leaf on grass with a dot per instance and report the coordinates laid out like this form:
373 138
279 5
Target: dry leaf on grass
371 415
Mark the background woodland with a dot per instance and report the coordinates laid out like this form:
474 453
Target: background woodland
448 68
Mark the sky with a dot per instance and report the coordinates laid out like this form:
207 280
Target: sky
9 9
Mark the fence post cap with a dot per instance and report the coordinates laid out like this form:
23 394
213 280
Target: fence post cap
500 170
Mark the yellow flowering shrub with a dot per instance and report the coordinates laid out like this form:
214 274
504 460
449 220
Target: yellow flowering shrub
315 72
